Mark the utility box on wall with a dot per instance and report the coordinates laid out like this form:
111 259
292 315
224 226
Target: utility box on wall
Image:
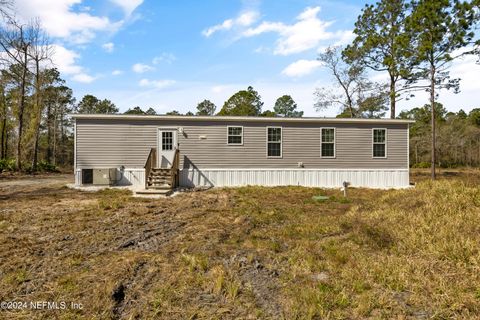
105 176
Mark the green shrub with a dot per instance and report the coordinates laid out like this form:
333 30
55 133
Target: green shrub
42 166
448 165
421 165
45 166
7 165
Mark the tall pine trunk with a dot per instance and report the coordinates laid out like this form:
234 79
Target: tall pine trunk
3 139
432 103
38 115
49 133
21 109
393 95
55 140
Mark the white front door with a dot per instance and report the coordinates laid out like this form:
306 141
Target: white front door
167 144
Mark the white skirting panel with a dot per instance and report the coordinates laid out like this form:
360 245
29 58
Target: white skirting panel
78 177
133 177
128 177
327 178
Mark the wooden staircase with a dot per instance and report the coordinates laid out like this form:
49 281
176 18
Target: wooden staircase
160 181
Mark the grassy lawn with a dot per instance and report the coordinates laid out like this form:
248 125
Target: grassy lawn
245 253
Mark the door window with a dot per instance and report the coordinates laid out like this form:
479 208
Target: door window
167 140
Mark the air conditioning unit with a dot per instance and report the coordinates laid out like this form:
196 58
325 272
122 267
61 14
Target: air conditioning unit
106 176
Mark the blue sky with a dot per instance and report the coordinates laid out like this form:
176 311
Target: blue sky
173 54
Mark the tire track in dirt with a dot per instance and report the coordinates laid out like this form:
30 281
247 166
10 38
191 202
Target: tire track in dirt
119 294
263 281
150 239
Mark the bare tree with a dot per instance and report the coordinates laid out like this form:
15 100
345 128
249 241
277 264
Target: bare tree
3 119
5 8
17 40
39 51
356 95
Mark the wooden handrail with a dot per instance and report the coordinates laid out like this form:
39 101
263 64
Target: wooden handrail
151 163
174 168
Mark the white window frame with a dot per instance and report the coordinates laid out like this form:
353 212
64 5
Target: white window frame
385 143
334 143
281 141
228 134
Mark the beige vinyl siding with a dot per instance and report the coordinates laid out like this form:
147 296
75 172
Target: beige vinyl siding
105 144
112 143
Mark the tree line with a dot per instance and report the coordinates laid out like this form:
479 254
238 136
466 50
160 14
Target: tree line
458 136
243 103
34 100
412 43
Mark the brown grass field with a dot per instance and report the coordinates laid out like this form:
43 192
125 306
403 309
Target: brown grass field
243 253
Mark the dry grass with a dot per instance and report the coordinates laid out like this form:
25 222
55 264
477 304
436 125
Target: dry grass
245 253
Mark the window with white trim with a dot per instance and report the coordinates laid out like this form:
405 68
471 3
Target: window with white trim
274 142
235 135
379 141
328 143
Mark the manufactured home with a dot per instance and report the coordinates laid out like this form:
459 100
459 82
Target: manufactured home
163 152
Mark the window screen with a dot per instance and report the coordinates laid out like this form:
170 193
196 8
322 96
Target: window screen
379 143
235 135
274 142
328 142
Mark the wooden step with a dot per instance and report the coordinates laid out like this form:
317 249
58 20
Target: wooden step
166 170
159 187
159 177
164 192
160 173
160 181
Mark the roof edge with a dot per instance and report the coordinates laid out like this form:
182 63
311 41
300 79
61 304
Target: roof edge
234 118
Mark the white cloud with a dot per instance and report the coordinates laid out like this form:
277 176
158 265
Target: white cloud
301 68
164 57
65 61
83 77
261 49
141 68
117 72
305 34
344 37
467 69
128 6
60 20
108 47
245 19
158 84
226 25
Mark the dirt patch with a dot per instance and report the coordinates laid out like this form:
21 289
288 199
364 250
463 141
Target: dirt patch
151 237
263 282
25 180
121 294
242 253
